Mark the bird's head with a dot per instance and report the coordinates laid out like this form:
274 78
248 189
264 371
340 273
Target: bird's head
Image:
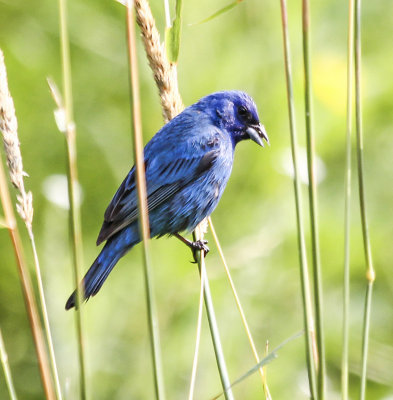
236 112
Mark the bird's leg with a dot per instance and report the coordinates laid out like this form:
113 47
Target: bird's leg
194 246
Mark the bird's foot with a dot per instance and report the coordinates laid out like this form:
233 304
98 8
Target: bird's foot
199 245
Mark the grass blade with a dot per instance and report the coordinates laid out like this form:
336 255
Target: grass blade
370 273
347 206
266 360
142 204
72 173
312 190
219 12
173 34
304 273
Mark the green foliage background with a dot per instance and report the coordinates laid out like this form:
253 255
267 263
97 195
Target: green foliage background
255 220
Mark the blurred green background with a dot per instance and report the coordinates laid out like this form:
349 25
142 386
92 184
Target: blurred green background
255 220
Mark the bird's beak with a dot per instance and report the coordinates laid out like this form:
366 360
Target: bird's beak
258 133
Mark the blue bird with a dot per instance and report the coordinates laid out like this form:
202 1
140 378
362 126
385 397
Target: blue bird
188 163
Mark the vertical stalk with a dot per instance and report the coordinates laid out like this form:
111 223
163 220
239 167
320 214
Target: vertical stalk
142 204
6 368
75 223
304 274
312 191
370 273
241 312
211 316
27 289
197 337
347 206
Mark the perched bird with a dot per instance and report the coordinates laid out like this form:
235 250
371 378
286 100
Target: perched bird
188 163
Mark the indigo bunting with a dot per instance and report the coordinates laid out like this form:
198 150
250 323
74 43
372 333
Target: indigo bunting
188 163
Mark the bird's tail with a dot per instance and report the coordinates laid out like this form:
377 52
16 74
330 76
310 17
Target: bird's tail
113 250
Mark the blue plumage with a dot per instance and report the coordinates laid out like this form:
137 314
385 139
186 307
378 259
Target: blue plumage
188 163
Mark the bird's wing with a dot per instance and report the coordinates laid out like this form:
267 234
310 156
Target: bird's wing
166 174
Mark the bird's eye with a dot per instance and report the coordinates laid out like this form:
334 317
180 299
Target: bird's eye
244 113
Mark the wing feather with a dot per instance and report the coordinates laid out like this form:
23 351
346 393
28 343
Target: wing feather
163 182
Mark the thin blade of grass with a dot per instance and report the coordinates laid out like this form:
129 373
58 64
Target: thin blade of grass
7 369
142 204
211 316
347 205
173 34
266 360
312 191
304 273
219 12
370 273
240 308
72 174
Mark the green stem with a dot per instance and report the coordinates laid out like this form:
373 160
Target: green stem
75 223
312 191
347 207
211 316
6 368
304 273
370 273
142 204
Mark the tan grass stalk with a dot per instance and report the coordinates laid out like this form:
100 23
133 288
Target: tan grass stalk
142 205
8 127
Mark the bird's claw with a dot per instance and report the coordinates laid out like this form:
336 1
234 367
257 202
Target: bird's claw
199 245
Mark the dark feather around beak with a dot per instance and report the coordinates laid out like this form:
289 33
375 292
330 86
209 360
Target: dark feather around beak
258 134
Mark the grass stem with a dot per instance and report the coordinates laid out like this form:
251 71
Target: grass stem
142 204
197 337
304 273
72 172
211 316
370 273
312 191
347 206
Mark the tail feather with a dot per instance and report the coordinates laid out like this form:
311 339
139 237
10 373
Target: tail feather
113 250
